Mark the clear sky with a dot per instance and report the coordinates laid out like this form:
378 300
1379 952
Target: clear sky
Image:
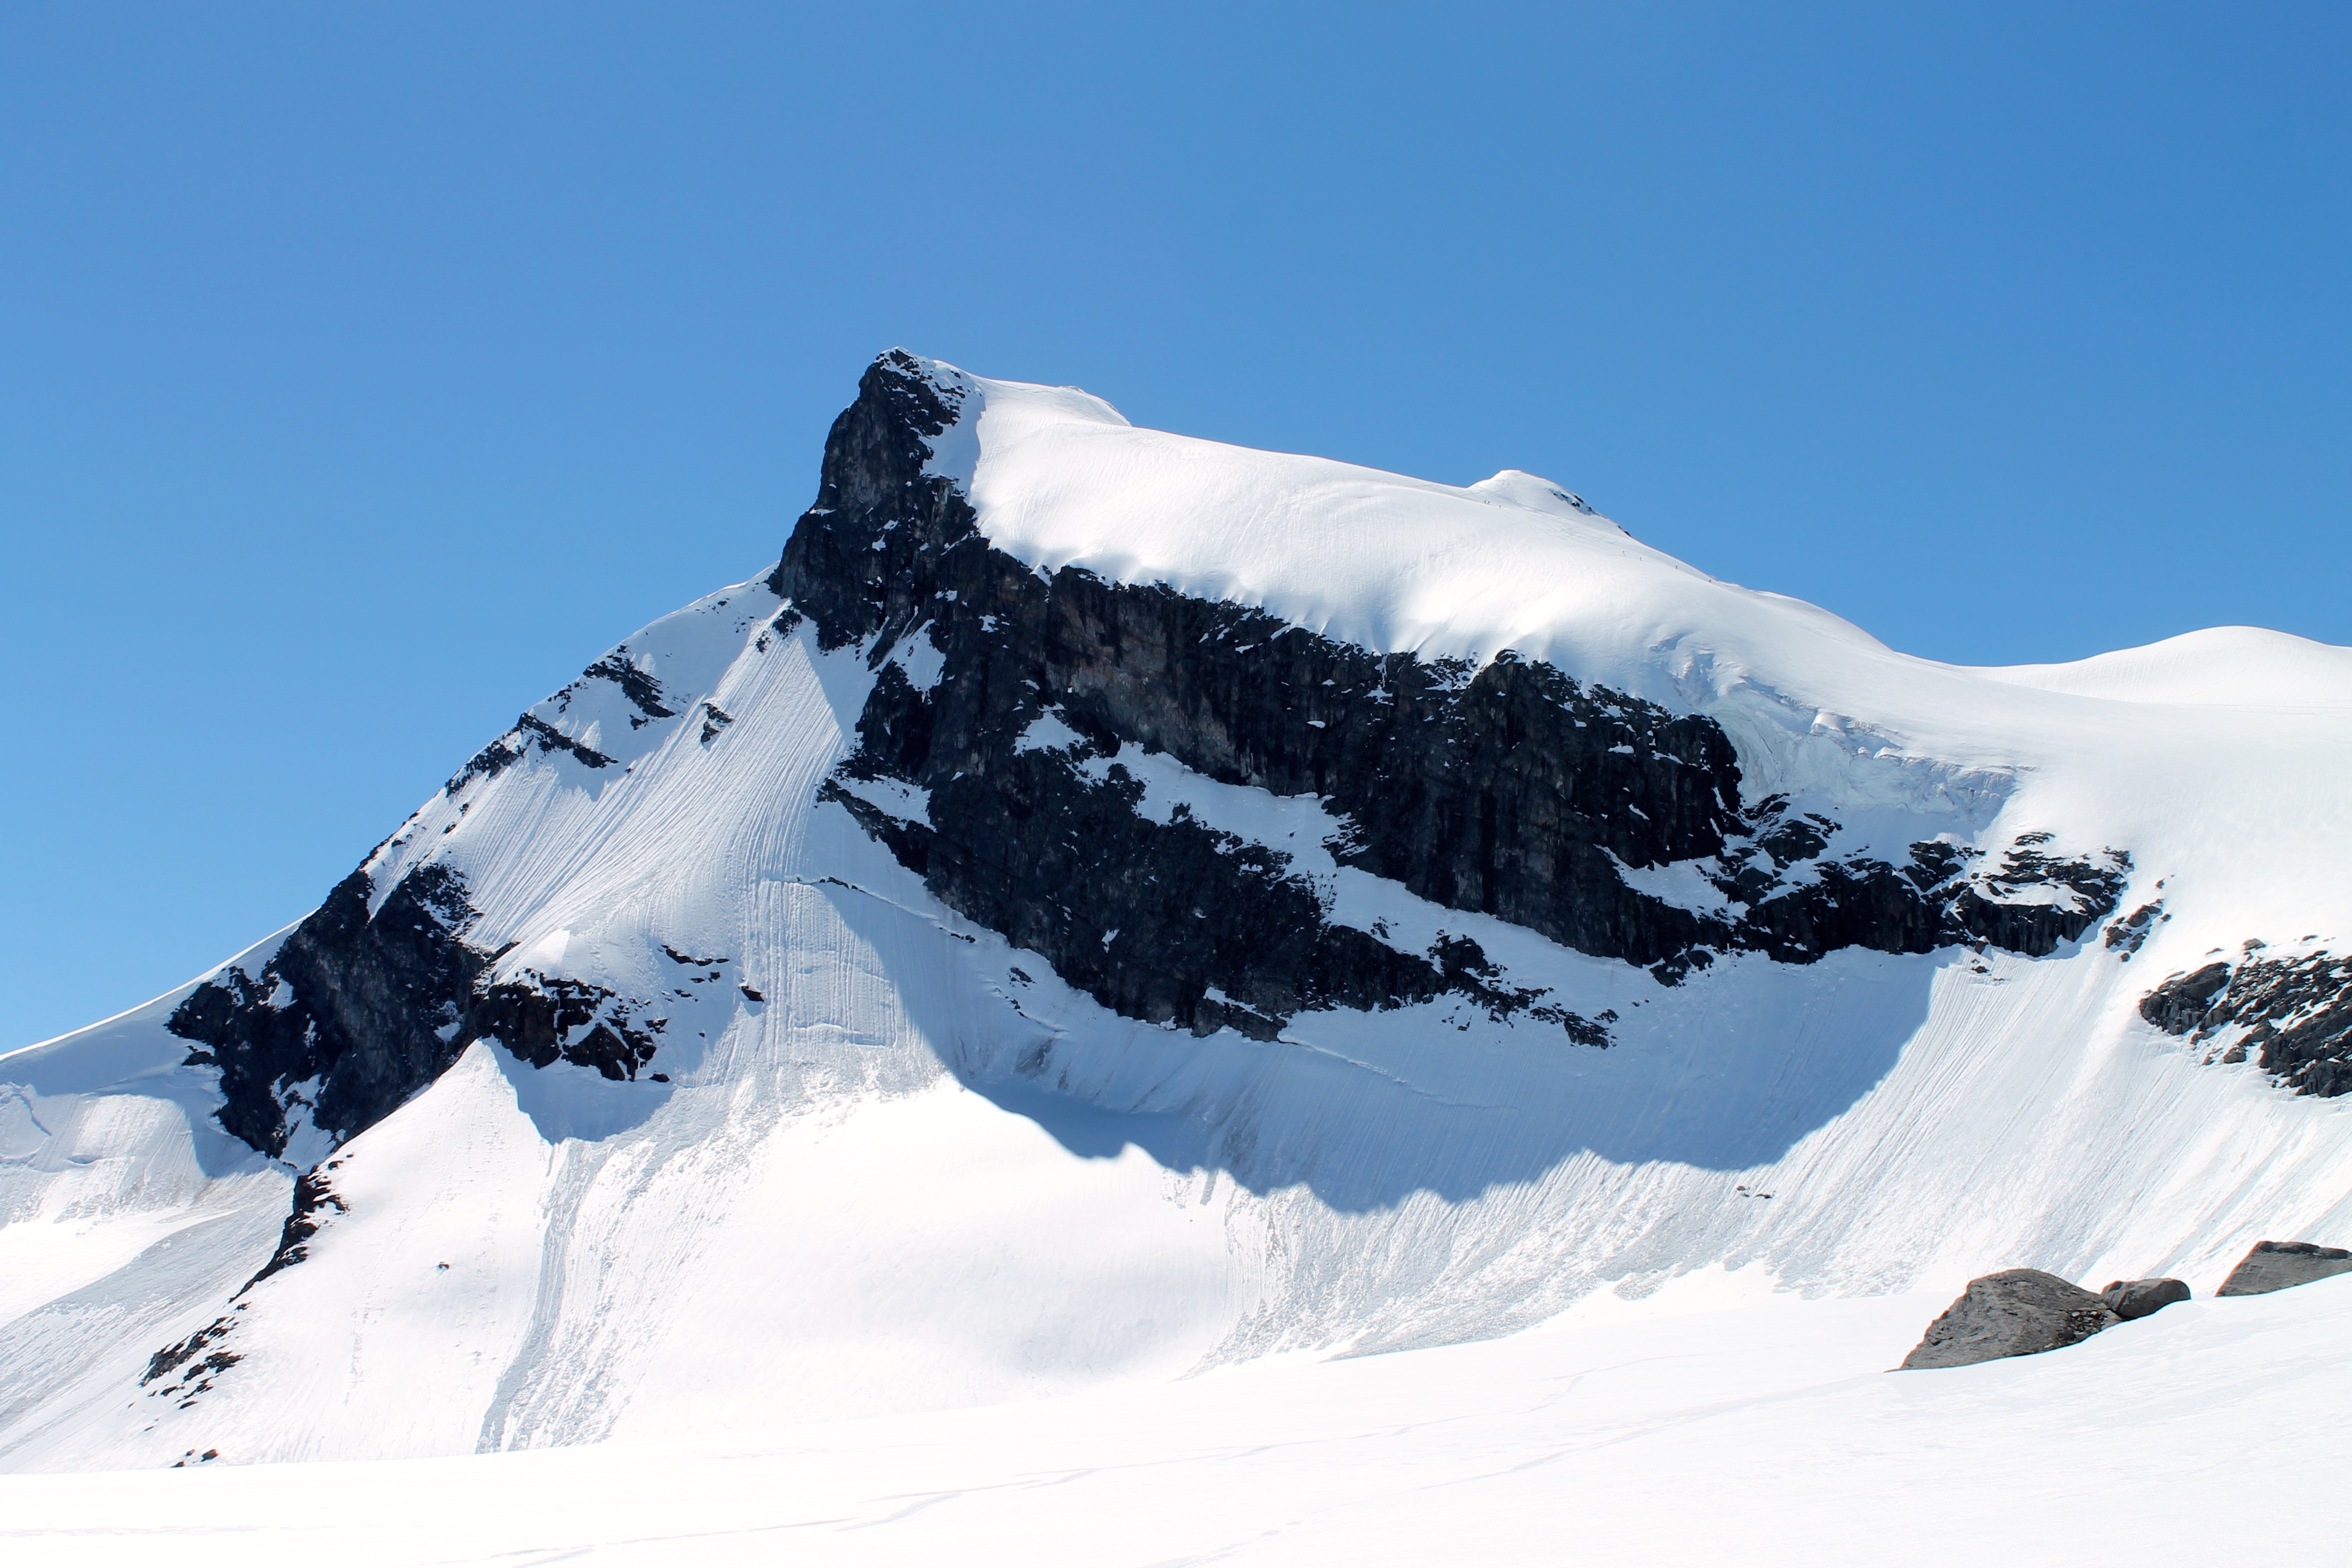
367 369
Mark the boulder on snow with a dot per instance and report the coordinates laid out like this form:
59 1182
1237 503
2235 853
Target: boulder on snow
2275 1265
2017 1311
2130 1299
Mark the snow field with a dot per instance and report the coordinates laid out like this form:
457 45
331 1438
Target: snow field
1765 1434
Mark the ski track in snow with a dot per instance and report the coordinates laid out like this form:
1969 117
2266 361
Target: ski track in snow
907 1180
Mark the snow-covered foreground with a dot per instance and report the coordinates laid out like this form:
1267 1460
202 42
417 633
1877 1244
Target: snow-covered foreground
1764 1434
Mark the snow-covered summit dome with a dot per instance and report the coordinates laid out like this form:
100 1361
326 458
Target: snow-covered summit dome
1535 492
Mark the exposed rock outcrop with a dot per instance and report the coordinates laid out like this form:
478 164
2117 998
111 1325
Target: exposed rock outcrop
2128 935
2293 1014
354 1013
2017 1311
314 1194
532 733
2279 1265
545 1019
2134 1299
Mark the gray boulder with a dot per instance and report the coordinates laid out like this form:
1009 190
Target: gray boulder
2017 1311
2130 1299
2275 1265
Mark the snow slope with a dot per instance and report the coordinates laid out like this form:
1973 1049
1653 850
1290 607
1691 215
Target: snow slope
898 1166
1768 1435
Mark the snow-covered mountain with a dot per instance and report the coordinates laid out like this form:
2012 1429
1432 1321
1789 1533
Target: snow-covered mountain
1107 905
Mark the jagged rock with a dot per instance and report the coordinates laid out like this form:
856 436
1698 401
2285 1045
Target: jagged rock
544 1019
2017 1311
2276 1265
2297 1011
352 1004
2128 935
355 1013
2131 1299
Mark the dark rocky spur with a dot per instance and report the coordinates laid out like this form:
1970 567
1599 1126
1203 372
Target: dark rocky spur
532 733
357 1006
355 1013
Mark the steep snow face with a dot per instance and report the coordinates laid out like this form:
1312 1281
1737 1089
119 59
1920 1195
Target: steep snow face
1109 905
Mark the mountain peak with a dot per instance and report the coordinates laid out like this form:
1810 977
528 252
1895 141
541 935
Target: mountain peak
1535 492
1110 904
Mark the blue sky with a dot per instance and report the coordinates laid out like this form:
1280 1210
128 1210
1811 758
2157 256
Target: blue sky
365 370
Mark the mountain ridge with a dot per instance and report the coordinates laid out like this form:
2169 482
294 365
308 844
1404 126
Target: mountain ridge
1298 993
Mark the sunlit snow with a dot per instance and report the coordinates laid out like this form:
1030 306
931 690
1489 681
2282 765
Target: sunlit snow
918 1238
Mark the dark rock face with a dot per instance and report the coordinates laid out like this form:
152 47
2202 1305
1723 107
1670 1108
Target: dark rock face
2278 1265
2017 1311
2131 1300
2124 938
356 1013
546 1019
2180 1004
2296 1012
1507 789
1983 907
361 1006
313 1196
